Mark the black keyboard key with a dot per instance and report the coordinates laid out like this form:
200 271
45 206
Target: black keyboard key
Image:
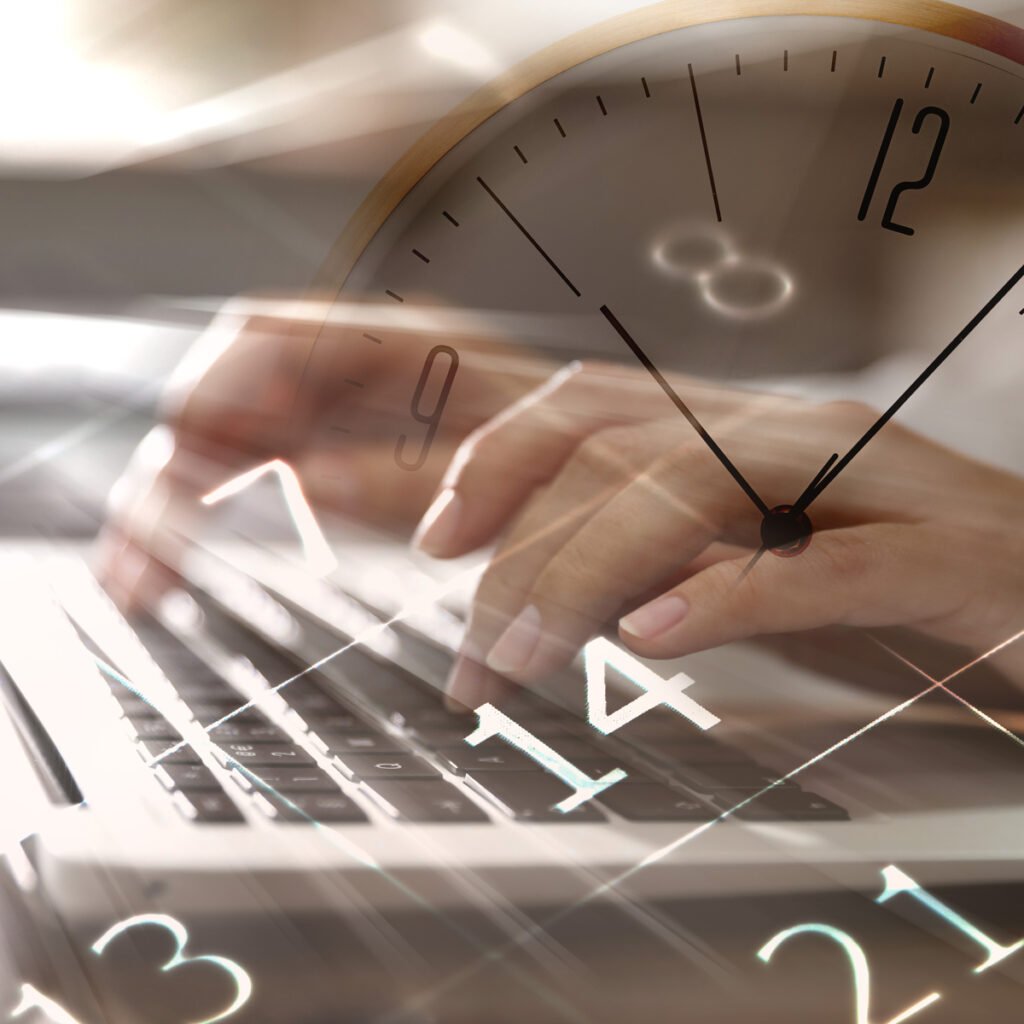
649 801
438 715
595 767
382 766
263 754
213 808
154 729
329 808
169 753
442 735
657 725
334 721
427 800
306 697
189 777
710 778
573 748
694 751
531 796
308 779
387 687
206 713
487 757
367 741
245 732
201 681
786 804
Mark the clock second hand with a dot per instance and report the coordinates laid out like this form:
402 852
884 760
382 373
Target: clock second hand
685 410
823 479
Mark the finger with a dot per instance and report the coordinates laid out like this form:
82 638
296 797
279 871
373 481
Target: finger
873 575
131 576
545 525
503 462
605 564
153 507
361 480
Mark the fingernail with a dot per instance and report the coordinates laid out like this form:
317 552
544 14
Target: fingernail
465 685
516 645
655 617
439 524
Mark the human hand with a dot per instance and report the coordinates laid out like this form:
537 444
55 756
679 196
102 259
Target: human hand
603 509
327 398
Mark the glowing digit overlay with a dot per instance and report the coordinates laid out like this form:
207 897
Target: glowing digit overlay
858 964
33 999
600 653
240 977
314 545
896 881
597 655
492 722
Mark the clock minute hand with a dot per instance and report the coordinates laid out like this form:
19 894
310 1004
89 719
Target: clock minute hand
815 489
685 410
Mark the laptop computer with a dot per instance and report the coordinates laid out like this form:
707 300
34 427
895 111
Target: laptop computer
264 759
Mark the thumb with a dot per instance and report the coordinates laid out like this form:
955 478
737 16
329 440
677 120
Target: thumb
877 575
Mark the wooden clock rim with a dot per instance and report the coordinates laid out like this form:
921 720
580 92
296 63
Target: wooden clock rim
946 19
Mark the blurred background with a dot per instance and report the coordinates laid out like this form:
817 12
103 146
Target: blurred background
159 156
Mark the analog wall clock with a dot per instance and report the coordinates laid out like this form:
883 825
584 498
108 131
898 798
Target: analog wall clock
755 195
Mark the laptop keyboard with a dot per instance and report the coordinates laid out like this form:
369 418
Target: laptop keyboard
371 732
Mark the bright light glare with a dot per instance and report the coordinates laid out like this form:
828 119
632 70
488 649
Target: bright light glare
455 46
59 104
48 342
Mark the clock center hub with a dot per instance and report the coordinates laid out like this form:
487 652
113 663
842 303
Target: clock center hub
785 531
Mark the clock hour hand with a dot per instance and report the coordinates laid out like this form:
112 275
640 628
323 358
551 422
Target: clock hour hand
685 410
823 480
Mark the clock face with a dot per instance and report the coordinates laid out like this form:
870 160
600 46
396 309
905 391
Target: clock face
807 203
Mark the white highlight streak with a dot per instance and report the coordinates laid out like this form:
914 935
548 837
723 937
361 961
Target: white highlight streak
318 552
458 48
911 1010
